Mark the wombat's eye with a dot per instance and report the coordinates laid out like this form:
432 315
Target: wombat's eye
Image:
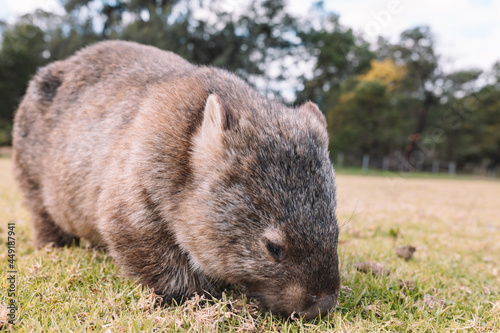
275 250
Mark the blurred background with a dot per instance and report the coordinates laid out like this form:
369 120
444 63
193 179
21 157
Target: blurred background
405 85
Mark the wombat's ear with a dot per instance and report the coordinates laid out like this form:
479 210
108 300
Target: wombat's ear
313 110
216 115
216 119
317 120
212 115
208 141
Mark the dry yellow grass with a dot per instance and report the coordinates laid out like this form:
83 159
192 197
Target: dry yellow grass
454 224
461 216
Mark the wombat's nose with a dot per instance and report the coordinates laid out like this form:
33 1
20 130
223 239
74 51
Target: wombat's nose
320 306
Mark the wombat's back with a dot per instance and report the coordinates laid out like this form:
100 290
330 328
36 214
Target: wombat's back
71 116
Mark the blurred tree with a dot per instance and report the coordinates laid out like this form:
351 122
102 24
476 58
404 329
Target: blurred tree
489 111
338 53
250 43
110 16
33 41
22 51
385 72
364 120
472 125
445 136
416 51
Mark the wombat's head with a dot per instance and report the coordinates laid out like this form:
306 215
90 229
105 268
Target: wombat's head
262 210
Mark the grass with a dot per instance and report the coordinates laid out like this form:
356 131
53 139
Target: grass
454 224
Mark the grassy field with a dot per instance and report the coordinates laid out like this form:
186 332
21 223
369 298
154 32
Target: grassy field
452 282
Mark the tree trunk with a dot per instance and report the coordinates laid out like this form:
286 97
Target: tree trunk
415 137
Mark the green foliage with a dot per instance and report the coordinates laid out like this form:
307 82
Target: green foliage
340 55
365 119
33 41
5 133
481 127
21 53
356 119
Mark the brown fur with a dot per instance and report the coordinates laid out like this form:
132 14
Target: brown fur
184 173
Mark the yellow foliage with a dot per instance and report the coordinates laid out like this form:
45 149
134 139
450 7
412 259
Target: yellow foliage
386 72
345 97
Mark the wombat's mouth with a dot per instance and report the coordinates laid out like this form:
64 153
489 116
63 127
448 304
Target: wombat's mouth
320 307
306 306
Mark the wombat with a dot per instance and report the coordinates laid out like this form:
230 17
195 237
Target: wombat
185 174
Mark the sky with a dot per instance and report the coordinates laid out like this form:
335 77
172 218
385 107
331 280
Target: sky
467 31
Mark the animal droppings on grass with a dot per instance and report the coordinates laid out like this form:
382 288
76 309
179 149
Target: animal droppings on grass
407 284
432 302
371 267
406 252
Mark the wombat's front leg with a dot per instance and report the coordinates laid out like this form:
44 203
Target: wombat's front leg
154 257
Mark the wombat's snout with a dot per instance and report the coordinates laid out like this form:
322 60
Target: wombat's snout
295 300
320 306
